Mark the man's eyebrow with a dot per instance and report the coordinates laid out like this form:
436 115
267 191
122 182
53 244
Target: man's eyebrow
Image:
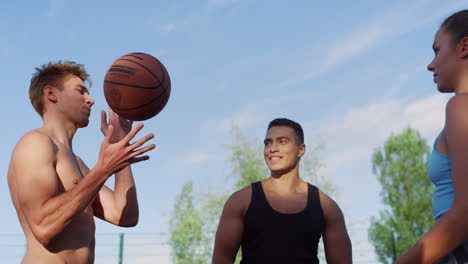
84 88
278 138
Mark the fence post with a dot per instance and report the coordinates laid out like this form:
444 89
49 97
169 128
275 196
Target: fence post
394 248
121 235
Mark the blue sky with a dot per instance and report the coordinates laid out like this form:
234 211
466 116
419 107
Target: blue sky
351 72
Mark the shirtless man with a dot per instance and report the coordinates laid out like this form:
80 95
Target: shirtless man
281 219
55 194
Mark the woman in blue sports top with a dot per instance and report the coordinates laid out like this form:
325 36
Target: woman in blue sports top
447 240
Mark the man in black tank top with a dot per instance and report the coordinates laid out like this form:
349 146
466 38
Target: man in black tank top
281 219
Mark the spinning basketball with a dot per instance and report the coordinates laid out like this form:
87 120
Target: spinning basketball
137 86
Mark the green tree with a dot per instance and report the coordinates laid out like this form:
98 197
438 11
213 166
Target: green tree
247 161
401 168
186 228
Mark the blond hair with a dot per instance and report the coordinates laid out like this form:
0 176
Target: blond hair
53 74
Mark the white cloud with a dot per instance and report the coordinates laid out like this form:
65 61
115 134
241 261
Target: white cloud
383 27
56 7
353 137
217 132
199 156
224 2
4 49
427 115
244 119
346 48
250 115
168 27
363 251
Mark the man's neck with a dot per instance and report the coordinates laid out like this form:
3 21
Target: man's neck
59 130
285 183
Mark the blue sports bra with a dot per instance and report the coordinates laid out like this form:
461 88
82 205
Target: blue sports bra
440 172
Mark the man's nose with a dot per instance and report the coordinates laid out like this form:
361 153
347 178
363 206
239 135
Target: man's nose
90 100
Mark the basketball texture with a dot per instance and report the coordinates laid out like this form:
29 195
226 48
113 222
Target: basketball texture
137 86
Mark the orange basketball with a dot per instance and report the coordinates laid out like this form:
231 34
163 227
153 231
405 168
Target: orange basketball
137 86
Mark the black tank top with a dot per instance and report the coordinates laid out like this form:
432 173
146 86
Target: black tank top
273 237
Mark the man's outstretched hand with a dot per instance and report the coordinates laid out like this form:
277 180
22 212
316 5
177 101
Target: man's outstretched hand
116 150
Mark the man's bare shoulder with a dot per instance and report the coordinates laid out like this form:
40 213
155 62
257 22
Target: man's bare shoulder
241 195
239 201
35 146
330 208
35 140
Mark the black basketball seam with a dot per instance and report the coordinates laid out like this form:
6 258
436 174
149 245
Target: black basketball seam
122 66
137 53
161 104
130 55
117 69
135 86
169 86
143 105
151 72
163 72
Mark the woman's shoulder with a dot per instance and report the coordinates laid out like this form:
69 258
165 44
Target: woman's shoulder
456 120
458 103
460 98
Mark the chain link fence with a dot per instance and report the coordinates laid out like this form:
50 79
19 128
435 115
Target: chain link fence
143 248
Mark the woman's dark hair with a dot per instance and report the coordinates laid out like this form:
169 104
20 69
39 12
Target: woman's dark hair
457 25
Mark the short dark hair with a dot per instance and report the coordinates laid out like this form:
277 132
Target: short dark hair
289 123
457 25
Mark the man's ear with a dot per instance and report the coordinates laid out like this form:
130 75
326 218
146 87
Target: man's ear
302 149
463 48
50 93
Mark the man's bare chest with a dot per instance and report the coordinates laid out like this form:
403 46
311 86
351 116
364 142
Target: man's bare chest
287 204
68 170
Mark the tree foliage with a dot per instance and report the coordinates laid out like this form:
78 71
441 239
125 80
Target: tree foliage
186 227
247 161
401 168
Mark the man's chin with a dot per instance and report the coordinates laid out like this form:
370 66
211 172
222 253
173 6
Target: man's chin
443 89
279 171
83 124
